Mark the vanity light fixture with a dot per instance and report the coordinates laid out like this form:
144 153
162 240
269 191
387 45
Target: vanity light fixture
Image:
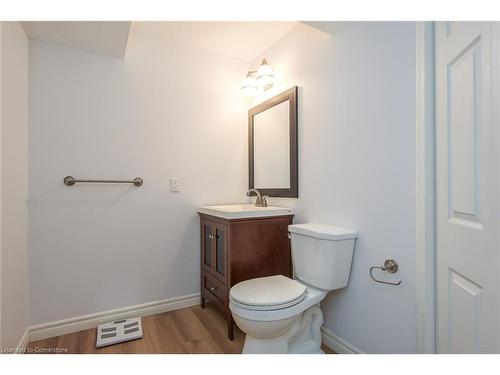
261 79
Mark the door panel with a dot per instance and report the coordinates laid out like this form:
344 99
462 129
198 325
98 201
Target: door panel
208 230
220 252
464 75
466 195
464 297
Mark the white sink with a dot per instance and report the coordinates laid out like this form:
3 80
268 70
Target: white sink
241 211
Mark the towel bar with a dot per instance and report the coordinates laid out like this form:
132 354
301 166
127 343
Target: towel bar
70 181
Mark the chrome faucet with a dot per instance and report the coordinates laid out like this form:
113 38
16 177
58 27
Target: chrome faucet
261 200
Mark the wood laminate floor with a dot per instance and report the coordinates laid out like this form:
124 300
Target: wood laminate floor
192 331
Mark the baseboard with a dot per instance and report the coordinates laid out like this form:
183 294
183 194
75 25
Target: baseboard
23 342
62 327
337 344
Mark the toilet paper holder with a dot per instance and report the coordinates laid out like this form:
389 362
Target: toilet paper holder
391 266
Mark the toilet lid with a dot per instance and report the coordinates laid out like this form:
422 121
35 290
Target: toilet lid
268 291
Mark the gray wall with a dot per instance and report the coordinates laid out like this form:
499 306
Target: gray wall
14 184
357 165
165 111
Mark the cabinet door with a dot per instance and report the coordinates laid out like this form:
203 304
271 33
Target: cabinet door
207 245
220 249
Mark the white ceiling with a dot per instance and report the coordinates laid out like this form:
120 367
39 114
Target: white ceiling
325 26
242 40
107 38
335 27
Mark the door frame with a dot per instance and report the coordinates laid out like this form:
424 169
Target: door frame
1 341
425 190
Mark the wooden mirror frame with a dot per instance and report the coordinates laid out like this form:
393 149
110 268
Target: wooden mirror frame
293 191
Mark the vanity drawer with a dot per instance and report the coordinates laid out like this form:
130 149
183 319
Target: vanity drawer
214 287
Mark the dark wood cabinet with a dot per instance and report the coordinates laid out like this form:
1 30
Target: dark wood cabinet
234 250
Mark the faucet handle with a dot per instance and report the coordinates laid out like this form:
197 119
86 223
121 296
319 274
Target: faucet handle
264 201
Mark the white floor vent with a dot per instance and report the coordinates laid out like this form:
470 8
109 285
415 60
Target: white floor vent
118 331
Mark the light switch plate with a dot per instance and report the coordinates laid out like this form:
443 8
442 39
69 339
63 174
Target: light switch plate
175 184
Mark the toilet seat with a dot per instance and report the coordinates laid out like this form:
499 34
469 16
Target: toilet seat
267 293
310 298
269 307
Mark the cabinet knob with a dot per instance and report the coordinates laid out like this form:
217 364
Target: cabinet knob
213 289
211 236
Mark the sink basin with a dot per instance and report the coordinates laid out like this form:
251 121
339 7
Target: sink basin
242 211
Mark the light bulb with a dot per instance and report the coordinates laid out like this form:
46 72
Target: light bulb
265 82
249 84
250 91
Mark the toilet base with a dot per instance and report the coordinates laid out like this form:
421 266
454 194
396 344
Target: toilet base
303 337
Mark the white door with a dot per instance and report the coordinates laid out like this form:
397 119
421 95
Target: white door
467 211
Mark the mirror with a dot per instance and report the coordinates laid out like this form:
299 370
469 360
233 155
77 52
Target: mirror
272 145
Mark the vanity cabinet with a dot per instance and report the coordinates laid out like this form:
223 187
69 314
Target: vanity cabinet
234 250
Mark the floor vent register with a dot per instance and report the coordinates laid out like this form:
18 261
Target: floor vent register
118 331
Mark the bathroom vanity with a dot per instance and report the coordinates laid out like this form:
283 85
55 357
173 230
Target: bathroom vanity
241 242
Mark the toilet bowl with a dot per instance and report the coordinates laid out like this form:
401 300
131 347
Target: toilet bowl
281 315
275 326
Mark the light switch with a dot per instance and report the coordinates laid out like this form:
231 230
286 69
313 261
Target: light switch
175 184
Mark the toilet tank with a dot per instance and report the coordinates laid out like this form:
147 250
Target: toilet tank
322 254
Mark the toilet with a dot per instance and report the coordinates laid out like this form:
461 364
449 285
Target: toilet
281 315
